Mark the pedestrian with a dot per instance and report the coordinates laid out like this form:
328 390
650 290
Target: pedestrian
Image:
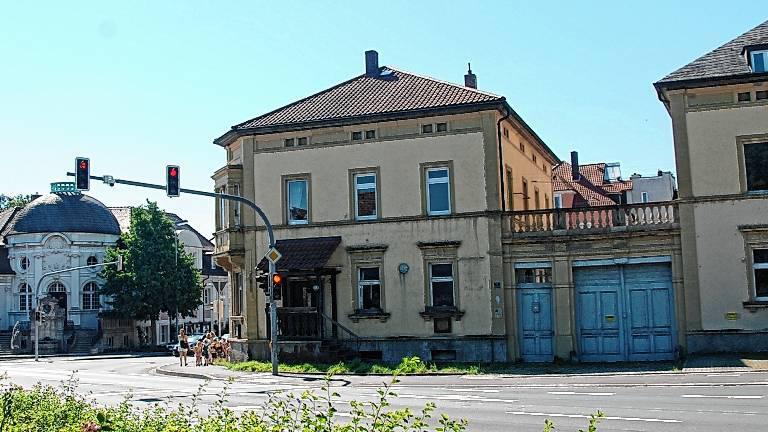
183 347
199 353
205 350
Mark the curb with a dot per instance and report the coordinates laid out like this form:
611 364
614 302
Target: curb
160 371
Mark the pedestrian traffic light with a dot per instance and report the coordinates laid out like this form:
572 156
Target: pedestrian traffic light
172 180
82 174
261 282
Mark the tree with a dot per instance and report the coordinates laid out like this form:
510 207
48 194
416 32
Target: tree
158 275
7 201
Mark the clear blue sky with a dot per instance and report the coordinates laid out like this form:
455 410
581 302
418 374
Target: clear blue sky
138 85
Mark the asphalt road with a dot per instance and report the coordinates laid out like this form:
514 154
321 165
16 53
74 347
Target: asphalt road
648 402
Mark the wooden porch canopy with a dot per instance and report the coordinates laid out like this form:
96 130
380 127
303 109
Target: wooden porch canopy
304 256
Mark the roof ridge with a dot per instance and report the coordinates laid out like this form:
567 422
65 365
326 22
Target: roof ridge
483 92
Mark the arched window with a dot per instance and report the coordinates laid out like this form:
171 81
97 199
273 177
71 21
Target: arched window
56 287
24 263
90 296
92 260
25 297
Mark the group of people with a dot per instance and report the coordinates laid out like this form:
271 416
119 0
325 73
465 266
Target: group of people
207 349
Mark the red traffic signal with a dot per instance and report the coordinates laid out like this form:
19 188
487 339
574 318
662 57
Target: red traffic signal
277 278
172 180
82 174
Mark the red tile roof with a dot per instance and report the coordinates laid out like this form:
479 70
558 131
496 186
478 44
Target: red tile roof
393 90
591 189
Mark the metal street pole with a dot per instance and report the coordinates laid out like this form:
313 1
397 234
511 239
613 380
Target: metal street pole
271 235
37 296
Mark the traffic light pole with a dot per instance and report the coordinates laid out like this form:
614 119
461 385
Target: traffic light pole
272 307
37 297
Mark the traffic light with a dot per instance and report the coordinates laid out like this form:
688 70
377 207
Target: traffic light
261 282
172 180
277 285
82 174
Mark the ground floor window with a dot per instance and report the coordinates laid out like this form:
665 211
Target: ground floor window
164 333
441 284
369 288
760 269
90 296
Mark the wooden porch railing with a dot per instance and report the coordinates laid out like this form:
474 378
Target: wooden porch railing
299 323
592 218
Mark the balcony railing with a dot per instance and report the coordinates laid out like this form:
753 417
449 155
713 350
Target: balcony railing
650 215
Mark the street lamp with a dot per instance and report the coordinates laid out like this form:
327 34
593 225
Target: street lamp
176 266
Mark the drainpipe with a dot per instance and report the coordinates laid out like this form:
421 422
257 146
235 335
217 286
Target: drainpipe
501 160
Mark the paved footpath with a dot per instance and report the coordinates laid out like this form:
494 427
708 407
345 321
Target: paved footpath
710 400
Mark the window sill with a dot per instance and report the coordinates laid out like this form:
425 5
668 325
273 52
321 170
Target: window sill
431 313
755 304
369 314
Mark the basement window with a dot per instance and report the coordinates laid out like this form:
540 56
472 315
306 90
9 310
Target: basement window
443 355
441 127
290 142
357 136
744 97
427 128
370 134
762 94
301 141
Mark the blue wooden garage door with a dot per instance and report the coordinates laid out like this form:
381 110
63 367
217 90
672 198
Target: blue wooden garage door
624 312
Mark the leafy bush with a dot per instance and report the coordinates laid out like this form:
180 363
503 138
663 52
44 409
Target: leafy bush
49 409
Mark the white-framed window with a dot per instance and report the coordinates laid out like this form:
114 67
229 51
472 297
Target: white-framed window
441 284
164 331
759 61
756 166
369 288
644 197
24 263
558 201
236 209
92 260
223 217
760 273
90 296
297 201
56 287
25 297
365 196
206 295
438 191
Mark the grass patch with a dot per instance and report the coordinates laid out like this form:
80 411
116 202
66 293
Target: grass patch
415 366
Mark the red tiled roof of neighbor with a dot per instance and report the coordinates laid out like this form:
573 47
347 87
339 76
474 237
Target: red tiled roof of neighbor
591 189
393 90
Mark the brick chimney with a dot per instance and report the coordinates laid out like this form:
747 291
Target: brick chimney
470 79
371 63
575 173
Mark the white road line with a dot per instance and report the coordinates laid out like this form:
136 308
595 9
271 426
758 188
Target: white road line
472 390
582 416
580 393
721 396
460 398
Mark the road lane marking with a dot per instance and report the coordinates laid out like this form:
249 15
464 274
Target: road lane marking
473 390
582 416
581 393
460 398
721 396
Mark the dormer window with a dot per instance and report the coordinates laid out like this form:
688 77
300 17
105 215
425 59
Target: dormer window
612 172
758 59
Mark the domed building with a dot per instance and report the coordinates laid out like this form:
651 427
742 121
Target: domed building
57 231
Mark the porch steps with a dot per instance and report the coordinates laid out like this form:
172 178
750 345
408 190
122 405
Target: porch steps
5 343
83 342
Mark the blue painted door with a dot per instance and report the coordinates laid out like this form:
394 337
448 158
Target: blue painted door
625 312
536 326
599 302
650 323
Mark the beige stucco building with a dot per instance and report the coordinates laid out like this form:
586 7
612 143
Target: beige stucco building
386 193
719 109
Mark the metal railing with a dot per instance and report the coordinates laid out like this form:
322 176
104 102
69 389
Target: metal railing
340 332
592 218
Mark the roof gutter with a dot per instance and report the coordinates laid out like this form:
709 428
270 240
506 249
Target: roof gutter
501 160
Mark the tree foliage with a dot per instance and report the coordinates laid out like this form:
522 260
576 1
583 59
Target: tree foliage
8 201
158 275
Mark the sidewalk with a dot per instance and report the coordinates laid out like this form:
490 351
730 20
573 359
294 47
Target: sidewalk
715 363
74 357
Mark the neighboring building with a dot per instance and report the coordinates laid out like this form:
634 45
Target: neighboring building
56 231
210 313
659 188
591 185
719 109
385 192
